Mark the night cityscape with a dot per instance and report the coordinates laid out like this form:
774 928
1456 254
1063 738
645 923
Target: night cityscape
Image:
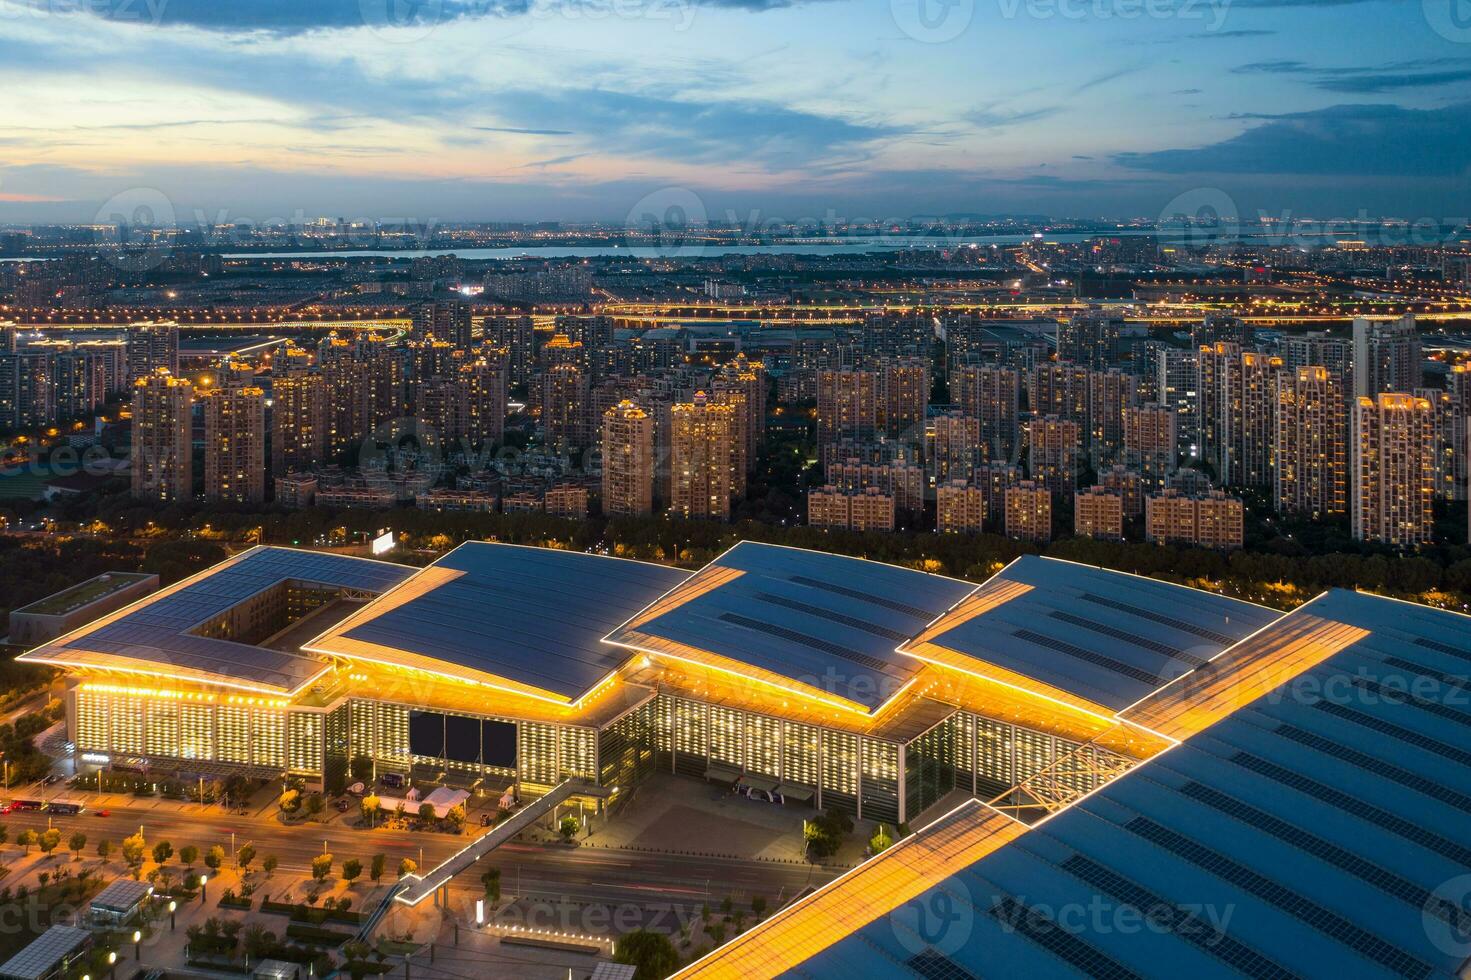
631 489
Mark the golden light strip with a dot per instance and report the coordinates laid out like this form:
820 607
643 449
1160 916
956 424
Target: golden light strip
703 583
859 897
996 593
1245 672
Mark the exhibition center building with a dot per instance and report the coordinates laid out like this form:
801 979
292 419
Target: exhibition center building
812 678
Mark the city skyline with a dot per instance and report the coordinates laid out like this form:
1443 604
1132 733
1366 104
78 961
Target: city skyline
523 111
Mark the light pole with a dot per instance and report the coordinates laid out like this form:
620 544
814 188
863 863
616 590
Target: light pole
112 963
173 920
203 888
137 945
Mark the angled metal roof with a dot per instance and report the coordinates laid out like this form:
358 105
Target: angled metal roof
45 953
1107 638
826 621
153 635
530 616
1318 829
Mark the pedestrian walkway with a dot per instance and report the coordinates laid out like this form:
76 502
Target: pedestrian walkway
421 887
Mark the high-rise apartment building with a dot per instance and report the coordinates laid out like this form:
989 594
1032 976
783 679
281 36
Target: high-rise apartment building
1052 453
1177 387
1098 513
1311 476
1111 393
847 406
960 508
564 408
1090 338
1029 512
1240 388
1151 442
955 447
1392 469
1209 520
298 421
904 397
151 346
1320 349
700 438
1387 356
162 461
628 461
990 395
1060 389
850 510
235 444
447 321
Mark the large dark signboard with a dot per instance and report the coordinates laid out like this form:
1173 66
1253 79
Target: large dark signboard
426 733
498 744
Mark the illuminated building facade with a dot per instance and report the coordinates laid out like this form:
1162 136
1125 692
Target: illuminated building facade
1393 469
628 461
700 437
162 464
1312 428
1029 512
990 395
1098 513
870 509
869 687
235 444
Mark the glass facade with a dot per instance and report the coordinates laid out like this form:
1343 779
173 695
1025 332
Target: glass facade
867 777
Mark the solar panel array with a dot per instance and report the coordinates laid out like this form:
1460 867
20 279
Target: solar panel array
1105 636
1283 841
156 632
535 616
827 621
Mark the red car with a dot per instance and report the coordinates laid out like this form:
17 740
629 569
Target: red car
102 813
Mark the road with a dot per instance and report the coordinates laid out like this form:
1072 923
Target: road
586 874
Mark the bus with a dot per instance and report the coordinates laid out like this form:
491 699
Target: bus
64 808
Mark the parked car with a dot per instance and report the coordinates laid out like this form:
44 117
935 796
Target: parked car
343 806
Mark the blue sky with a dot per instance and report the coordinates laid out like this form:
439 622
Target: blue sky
441 110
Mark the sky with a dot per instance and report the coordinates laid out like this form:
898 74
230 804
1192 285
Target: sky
434 111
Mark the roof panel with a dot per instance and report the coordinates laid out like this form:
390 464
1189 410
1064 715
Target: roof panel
825 621
153 634
1107 637
1283 839
534 616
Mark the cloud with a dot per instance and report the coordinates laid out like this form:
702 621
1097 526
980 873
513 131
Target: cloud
990 116
689 131
524 132
1106 77
1369 79
285 18
1342 140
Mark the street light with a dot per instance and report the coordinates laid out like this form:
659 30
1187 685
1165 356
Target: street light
137 945
173 907
203 881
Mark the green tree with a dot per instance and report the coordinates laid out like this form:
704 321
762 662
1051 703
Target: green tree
426 812
758 906
321 866
568 827
455 817
188 854
4 834
162 851
290 801
376 866
214 858
492 882
315 805
369 807
651 954
268 863
258 942
25 840
881 840
49 841
352 869
75 844
361 767
104 849
245 856
407 867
